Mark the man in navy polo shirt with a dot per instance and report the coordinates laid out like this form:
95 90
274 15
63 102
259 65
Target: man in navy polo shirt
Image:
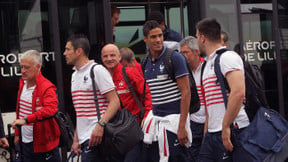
167 133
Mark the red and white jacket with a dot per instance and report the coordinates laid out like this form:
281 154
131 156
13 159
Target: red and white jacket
137 82
46 133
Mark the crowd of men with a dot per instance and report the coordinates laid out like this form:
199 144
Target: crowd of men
171 133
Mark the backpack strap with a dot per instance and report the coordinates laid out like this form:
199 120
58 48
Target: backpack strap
219 75
92 75
127 80
168 63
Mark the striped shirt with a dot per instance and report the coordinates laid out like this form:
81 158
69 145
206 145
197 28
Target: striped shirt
83 97
229 61
25 109
166 96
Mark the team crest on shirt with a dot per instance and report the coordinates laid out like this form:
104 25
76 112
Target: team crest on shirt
161 67
85 79
121 84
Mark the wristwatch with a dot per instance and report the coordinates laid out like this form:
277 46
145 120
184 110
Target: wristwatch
102 123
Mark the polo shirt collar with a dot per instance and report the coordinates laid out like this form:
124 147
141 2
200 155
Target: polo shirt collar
161 54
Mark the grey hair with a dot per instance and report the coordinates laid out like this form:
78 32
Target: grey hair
191 42
32 54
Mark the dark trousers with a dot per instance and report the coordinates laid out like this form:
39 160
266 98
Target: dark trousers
91 154
213 150
197 134
135 154
28 154
177 152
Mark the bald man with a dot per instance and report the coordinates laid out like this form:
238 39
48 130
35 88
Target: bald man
111 57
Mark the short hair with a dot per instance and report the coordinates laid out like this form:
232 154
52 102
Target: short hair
191 42
157 16
114 10
80 41
32 54
210 28
225 36
127 54
149 25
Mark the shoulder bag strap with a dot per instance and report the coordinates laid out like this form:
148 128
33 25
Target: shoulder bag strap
127 80
92 75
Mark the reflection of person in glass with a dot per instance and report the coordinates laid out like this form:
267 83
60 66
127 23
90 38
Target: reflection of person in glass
37 100
115 13
3 140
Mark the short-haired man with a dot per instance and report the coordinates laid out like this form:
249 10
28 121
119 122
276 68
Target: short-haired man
189 48
128 59
89 130
169 34
217 145
110 56
224 39
167 129
115 14
37 100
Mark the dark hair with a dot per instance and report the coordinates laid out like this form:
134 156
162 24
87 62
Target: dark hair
80 41
225 36
157 16
114 10
149 25
210 28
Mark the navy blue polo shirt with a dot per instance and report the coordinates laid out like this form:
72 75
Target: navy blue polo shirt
166 96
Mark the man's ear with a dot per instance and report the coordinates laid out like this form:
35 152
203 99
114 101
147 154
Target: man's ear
79 51
145 39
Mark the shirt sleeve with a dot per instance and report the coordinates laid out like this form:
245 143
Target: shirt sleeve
230 61
103 79
179 65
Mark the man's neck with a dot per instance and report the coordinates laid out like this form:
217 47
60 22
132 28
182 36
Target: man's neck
31 83
194 64
81 62
211 47
155 54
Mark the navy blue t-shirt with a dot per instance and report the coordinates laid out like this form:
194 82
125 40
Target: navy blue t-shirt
166 96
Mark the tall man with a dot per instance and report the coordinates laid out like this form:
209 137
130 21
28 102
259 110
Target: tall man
217 145
89 130
111 59
36 100
167 128
189 48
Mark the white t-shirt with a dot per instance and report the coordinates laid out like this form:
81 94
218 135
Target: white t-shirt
199 116
83 97
25 109
229 61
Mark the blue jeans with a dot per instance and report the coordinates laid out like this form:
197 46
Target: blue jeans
91 154
177 152
197 134
28 154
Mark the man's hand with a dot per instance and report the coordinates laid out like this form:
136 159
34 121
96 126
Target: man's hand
16 140
76 148
18 122
96 136
4 142
182 136
226 138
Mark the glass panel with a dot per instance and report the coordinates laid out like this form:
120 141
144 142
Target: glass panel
24 25
226 13
259 45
